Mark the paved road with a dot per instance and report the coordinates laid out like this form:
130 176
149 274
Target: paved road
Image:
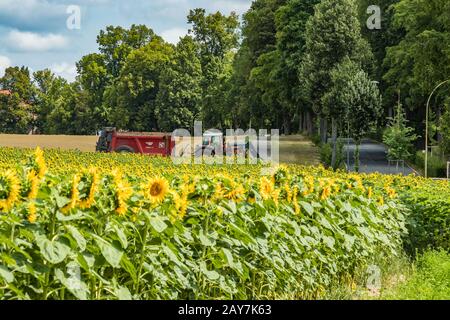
373 158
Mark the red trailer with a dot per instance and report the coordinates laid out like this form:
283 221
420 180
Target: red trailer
111 140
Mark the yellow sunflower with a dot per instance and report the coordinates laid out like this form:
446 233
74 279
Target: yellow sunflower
10 190
369 192
326 193
267 189
40 161
295 201
87 202
236 193
181 205
33 179
32 215
74 195
123 192
156 190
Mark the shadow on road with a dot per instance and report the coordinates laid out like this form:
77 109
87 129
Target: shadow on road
373 158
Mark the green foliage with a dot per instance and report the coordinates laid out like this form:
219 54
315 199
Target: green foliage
333 34
421 60
398 137
15 115
326 151
364 102
179 97
116 43
18 80
136 88
429 280
437 165
429 218
217 36
222 249
444 130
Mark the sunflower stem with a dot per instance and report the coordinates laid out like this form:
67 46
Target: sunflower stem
141 262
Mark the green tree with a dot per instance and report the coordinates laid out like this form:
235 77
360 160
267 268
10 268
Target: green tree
179 98
17 110
94 78
444 129
248 102
133 95
364 101
217 37
291 22
333 35
15 115
421 59
116 43
18 80
398 137
49 93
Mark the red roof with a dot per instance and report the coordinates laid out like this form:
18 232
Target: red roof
5 92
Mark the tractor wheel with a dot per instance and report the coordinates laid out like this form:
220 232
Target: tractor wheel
125 149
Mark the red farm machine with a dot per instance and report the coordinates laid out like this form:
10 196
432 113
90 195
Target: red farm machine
162 144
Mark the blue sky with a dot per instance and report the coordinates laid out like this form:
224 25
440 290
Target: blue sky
35 34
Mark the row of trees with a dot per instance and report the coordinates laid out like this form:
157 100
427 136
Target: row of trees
296 65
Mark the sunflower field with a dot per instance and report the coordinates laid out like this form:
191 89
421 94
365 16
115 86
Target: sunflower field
107 226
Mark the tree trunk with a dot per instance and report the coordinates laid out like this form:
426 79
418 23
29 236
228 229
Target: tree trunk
438 120
357 155
286 125
309 123
334 132
300 122
323 130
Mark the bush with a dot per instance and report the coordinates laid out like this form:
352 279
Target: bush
398 137
429 218
429 281
326 152
316 140
437 166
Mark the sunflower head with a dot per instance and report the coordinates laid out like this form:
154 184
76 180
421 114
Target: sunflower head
281 175
9 190
32 215
91 180
267 189
74 195
156 190
123 192
40 162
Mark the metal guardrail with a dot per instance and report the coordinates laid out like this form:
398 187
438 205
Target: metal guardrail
398 164
448 170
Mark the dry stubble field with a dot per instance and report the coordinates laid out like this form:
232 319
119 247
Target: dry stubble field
293 149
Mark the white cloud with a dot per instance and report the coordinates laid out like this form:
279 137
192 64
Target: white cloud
65 70
174 35
227 6
29 41
5 62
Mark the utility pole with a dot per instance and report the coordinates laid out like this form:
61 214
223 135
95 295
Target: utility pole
426 125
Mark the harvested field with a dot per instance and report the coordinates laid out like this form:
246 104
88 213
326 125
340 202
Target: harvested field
293 149
82 143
